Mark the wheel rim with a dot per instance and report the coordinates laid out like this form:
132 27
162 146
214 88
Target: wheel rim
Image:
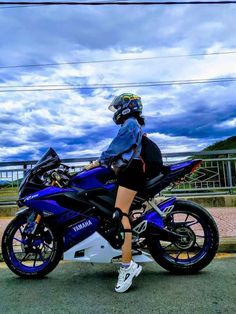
196 238
28 254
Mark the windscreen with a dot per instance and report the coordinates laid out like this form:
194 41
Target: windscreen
31 181
49 160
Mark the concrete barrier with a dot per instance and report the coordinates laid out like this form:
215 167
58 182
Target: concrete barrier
8 210
213 201
205 201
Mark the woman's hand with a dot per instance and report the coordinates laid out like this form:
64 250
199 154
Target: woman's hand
92 165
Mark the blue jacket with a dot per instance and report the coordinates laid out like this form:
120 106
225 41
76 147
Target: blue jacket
130 134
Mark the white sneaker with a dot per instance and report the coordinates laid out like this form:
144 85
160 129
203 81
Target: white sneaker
126 276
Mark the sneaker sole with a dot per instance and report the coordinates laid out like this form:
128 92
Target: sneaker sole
127 286
139 269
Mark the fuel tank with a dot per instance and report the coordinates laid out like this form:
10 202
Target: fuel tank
99 177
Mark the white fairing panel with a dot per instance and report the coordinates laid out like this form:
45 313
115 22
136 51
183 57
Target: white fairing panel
98 250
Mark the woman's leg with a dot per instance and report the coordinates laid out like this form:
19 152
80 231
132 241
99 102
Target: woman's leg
124 200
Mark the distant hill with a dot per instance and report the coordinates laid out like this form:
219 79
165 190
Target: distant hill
4 183
229 143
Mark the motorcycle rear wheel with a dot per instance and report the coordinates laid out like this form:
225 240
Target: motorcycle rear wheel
31 257
198 246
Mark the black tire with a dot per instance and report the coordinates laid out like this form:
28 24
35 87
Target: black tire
46 252
198 250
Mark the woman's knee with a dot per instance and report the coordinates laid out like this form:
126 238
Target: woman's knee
123 217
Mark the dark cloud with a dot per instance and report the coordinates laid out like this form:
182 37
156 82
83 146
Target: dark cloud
200 120
93 135
41 34
21 156
39 135
11 142
8 118
36 121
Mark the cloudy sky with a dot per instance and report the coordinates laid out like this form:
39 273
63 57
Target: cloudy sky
76 122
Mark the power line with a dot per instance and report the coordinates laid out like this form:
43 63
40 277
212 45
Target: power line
37 88
100 3
3 7
16 7
117 60
118 83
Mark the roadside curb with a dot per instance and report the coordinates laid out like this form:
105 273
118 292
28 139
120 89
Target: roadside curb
227 245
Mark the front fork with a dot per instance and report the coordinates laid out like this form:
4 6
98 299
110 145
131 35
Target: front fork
32 224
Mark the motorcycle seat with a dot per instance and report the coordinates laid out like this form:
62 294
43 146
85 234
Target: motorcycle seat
153 181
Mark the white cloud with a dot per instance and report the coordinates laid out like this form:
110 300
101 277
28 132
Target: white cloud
228 124
172 144
79 118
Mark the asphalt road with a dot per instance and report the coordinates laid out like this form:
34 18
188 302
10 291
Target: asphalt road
83 288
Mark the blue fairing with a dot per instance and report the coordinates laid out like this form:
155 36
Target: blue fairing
48 191
154 218
166 203
73 233
92 179
181 165
39 202
79 231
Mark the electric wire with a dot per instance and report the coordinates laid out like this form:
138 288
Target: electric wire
46 3
117 60
123 3
3 7
61 87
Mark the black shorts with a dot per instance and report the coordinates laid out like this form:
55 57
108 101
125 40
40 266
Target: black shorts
132 177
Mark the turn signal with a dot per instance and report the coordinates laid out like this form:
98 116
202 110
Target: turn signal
196 165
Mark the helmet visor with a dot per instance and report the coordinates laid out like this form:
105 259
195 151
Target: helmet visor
118 102
112 108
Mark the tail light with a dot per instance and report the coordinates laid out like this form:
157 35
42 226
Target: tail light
197 164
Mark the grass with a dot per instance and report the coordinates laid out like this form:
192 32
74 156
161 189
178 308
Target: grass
8 193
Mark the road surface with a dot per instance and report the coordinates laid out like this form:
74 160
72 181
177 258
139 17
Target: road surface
83 288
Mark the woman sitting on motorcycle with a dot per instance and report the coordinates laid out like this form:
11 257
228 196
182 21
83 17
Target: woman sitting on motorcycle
124 153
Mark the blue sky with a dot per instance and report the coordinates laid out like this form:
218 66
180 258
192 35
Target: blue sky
76 122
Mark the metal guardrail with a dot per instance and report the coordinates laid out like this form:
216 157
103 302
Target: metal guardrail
216 174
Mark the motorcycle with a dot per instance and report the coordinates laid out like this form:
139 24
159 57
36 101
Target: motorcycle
71 216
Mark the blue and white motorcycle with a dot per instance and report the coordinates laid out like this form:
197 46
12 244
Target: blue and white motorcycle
70 216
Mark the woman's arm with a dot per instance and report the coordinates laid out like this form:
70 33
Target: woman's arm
125 139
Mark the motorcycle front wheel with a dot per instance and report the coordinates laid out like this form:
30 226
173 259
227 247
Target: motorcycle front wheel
198 245
27 255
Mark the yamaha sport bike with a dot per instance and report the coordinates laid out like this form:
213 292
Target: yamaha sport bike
72 217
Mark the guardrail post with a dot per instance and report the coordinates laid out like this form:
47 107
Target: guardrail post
24 169
229 174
